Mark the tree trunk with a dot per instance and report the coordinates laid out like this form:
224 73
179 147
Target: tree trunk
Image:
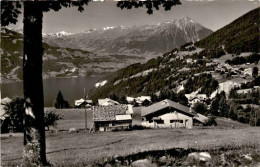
34 130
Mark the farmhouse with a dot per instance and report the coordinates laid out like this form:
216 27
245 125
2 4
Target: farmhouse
108 118
169 114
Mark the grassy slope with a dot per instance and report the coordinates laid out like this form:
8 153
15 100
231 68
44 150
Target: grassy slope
78 148
242 35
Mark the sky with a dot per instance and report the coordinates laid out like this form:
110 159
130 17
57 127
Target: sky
213 14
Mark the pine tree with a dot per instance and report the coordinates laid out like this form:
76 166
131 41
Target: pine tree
59 101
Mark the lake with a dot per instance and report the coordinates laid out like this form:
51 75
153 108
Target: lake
71 88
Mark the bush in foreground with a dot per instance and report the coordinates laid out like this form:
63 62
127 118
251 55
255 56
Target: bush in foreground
16 111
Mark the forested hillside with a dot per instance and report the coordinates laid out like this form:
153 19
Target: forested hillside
242 35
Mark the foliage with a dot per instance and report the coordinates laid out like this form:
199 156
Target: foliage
59 102
254 119
50 119
10 12
219 105
201 108
148 4
211 121
16 111
204 81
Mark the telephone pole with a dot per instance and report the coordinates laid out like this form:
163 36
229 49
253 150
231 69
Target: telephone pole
85 98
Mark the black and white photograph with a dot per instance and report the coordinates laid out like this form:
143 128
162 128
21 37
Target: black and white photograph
107 83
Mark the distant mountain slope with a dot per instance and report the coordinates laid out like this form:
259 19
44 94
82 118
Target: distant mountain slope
242 35
137 40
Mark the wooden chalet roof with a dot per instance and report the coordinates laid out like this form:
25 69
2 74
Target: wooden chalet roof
166 104
108 113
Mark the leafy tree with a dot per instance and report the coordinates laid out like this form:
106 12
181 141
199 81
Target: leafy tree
182 98
154 98
123 100
214 107
223 107
16 111
243 116
113 96
201 108
232 114
32 63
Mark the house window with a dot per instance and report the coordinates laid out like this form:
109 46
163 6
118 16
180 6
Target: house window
159 121
176 120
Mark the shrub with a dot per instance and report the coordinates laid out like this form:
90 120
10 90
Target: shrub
211 121
50 119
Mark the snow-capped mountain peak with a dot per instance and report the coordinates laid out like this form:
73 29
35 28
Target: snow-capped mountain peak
108 28
58 34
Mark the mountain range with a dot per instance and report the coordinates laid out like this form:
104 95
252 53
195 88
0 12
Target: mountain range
98 50
148 40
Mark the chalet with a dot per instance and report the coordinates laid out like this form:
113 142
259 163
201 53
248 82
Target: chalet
194 97
107 102
108 118
247 72
169 114
80 103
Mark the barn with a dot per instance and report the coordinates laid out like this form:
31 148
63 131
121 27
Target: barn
108 118
169 114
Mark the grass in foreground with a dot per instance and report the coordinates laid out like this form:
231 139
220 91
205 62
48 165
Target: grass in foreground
90 148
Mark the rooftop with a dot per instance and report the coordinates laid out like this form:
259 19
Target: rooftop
110 113
166 104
